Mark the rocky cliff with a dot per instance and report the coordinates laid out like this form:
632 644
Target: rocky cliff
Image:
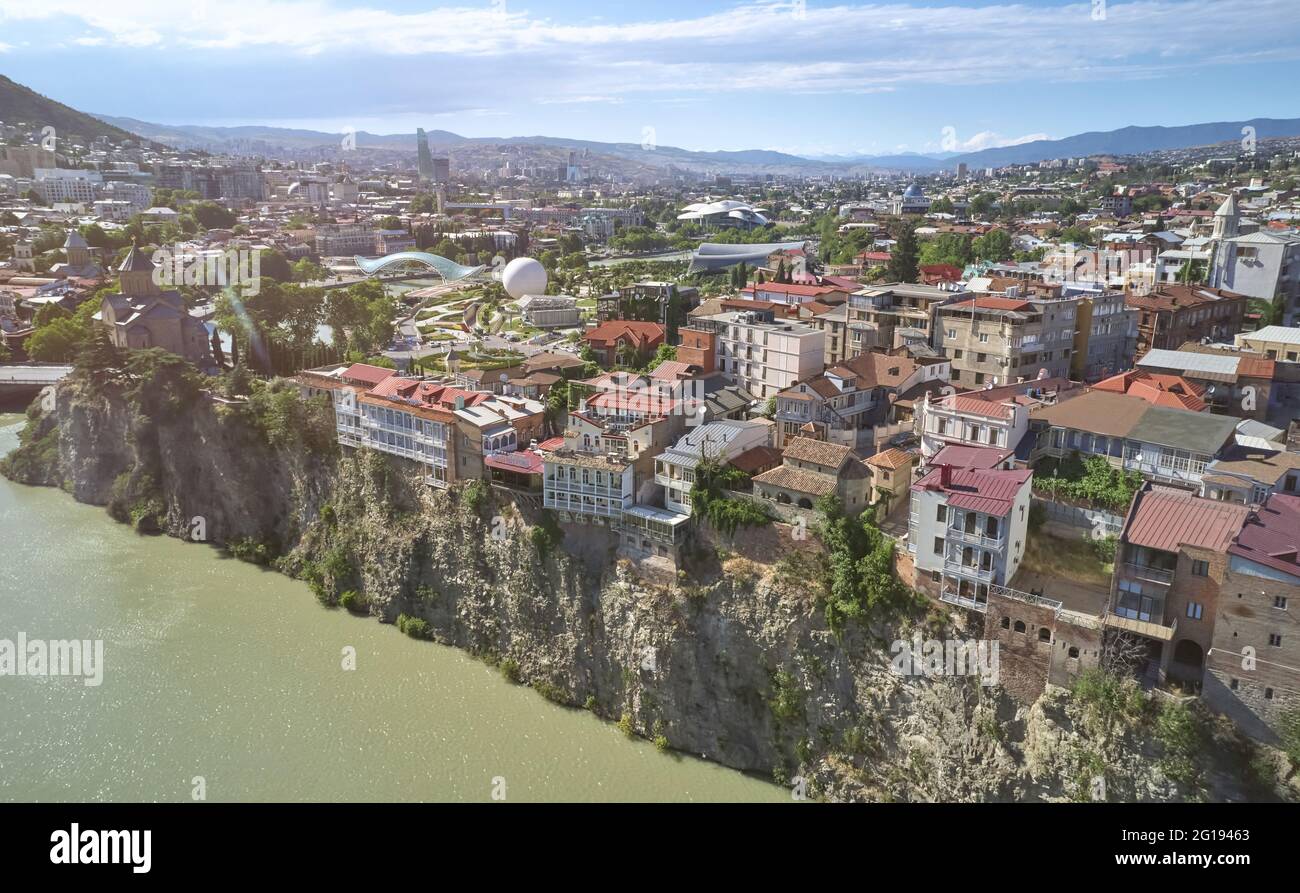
733 661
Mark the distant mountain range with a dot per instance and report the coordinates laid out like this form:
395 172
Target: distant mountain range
1124 141
18 103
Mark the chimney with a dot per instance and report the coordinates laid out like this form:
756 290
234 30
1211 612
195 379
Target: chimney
945 476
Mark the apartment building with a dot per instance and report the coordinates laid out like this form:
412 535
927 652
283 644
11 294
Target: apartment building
997 340
761 354
666 303
1253 664
345 239
1171 315
449 431
1105 335
875 313
795 294
971 419
846 402
604 472
1169 568
967 530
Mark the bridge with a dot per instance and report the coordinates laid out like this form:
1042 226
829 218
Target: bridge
449 270
33 375
19 384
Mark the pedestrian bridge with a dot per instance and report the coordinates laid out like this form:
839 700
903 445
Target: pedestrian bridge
418 261
32 375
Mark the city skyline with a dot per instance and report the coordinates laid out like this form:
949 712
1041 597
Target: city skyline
925 76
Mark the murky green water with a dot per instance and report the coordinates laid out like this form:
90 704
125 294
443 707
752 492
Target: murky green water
215 668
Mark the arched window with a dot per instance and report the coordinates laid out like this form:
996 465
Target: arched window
1044 634
1006 623
1073 653
1020 626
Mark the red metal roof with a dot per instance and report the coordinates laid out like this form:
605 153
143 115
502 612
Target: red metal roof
1271 536
1166 518
977 490
366 374
521 462
991 303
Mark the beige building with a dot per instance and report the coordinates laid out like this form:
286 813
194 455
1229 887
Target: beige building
762 354
997 340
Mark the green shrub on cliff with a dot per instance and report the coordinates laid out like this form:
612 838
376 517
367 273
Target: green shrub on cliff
252 550
475 494
415 627
285 418
709 499
354 601
858 579
786 700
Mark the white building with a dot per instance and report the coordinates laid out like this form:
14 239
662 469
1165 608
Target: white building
763 355
967 531
719 442
1262 264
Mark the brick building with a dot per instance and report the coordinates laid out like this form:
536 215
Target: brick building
1253 667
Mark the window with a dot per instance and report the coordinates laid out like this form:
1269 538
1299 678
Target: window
1279 602
938 545
1268 694
1275 639
1232 684
941 514
1006 623
935 577
1020 626
1073 653
1194 610
1200 568
1044 634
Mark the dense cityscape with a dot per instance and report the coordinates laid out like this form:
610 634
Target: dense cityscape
912 477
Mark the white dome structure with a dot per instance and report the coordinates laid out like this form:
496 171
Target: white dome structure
524 276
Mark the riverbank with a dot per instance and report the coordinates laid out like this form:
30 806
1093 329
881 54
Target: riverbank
735 664
221 669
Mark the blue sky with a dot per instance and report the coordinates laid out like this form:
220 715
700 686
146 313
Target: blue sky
807 77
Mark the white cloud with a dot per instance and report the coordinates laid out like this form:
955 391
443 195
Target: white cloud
756 46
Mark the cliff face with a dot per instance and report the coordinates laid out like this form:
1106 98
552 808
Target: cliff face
738 666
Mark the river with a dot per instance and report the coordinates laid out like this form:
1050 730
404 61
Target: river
217 669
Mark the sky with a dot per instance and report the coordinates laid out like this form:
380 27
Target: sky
802 76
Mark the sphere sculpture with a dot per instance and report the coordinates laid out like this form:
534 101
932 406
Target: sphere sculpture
524 276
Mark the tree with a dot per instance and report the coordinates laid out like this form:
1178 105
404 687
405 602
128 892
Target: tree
947 248
902 257
211 215
57 342
98 353
995 245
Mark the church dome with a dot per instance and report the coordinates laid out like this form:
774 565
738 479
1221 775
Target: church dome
914 191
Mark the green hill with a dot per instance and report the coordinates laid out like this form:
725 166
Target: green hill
18 103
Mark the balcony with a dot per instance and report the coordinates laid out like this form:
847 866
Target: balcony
969 571
975 538
1147 573
951 597
1152 629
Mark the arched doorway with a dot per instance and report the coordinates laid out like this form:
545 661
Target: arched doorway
1188 662
1189 653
